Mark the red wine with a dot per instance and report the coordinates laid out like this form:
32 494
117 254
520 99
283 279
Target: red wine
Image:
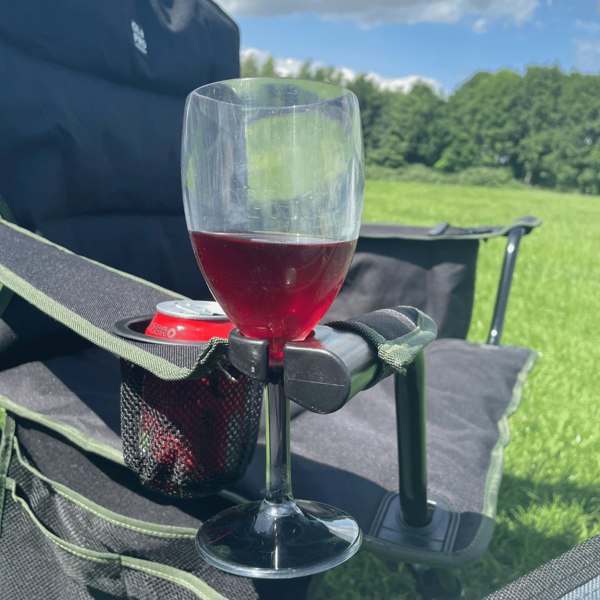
273 286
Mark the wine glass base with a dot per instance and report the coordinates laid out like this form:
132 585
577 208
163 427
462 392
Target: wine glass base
278 541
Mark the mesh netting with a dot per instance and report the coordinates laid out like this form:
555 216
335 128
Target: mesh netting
188 438
52 547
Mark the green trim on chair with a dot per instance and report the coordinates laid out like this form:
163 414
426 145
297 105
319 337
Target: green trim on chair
494 476
6 444
160 367
5 293
71 433
153 529
202 590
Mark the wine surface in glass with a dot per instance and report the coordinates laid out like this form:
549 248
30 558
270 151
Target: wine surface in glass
273 286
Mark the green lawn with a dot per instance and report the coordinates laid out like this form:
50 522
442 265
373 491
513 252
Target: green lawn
550 496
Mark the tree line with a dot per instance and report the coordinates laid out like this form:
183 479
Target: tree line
542 127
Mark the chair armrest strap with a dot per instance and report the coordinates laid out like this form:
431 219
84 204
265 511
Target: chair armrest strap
398 334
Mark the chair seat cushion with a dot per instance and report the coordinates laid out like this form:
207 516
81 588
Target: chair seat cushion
347 459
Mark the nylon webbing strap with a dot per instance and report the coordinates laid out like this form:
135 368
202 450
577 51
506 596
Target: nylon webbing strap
88 297
398 334
6 444
5 293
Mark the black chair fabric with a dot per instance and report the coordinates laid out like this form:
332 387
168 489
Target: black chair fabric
471 390
575 575
407 267
91 114
92 531
347 459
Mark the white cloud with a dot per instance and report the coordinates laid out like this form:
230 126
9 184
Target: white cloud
480 25
588 26
587 55
403 84
389 11
290 67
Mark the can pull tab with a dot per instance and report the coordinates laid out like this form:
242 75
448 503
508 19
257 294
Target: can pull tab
190 309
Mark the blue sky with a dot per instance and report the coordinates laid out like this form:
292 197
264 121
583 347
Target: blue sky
443 41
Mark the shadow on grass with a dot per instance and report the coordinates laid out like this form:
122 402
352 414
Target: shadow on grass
536 522
524 493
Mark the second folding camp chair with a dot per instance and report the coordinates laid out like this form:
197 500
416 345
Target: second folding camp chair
422 486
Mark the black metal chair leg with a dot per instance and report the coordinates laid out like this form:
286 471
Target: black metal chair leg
508 268
412 463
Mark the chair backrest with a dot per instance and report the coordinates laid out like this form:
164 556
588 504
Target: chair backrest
396 265
91 114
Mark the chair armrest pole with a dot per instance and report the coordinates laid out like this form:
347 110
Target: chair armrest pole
410 423
508 268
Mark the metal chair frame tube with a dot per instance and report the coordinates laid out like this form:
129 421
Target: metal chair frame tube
412 458
506 276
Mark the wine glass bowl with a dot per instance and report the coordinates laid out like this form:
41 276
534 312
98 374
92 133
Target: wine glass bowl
273 286
272 184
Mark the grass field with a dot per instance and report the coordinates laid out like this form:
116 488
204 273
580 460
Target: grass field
550 495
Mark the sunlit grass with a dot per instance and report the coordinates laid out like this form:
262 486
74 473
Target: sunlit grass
550 498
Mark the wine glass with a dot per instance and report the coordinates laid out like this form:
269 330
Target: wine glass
272 184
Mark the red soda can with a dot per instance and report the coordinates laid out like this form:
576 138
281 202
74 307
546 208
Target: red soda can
189 321
195 431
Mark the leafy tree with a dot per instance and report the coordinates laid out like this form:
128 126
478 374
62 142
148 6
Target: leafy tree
249 67
388 143
424 124
541 119
483 125
543 126
305 71
579 107
268 68
372 103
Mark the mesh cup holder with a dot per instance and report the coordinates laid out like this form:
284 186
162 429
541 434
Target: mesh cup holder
188 438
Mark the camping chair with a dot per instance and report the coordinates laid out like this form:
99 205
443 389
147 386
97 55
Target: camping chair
76 522
574 575
68 493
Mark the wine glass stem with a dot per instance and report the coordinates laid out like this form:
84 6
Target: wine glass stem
279 486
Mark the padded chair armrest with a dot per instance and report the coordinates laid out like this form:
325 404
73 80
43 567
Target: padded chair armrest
323 372
527 223
398 335
25 333
88 298
446 230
